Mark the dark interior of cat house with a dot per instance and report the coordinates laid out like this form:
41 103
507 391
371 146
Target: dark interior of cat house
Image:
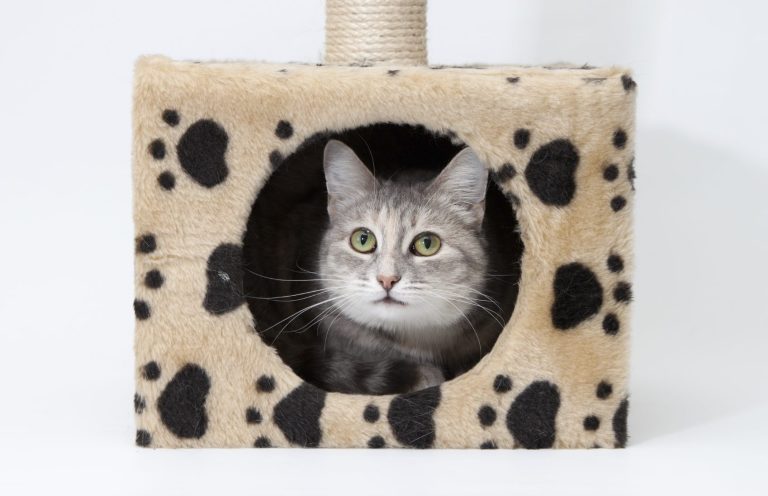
296 306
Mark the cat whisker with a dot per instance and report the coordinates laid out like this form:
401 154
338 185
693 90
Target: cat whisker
293 280
306 271
464 299
479 344
487 298
292 297
341 307
473 303
470 299
295 315
317 319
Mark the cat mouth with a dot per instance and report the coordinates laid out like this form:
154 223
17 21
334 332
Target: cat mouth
388 300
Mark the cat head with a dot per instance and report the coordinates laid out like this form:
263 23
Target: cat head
404 257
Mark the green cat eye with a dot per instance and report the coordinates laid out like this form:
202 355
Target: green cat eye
425 244
363 240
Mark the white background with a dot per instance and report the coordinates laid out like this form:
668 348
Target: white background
699 401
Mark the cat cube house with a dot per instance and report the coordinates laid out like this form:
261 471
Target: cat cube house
559 144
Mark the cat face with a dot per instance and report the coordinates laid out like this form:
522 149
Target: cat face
407 258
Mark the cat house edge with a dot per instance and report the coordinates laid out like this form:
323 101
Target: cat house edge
178 402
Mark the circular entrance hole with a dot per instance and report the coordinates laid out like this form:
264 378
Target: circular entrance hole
314 299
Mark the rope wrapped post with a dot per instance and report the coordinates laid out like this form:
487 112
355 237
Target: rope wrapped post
369 32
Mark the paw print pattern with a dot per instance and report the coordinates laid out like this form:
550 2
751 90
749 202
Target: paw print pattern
146 244
181 404
611 172
298 415
265 384
201 152
549 174
619 423
621 293
531 417
411 417
224 272
578 296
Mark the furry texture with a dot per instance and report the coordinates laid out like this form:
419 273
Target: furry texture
218 124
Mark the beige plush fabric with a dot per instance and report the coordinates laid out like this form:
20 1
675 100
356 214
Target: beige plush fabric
205 141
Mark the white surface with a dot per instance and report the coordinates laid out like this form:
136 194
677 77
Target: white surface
699 396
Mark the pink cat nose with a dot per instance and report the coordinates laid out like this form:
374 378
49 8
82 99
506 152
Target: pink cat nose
387 281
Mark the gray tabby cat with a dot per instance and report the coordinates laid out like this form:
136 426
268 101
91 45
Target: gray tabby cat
402 269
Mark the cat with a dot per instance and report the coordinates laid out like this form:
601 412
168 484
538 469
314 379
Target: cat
404 294
396 298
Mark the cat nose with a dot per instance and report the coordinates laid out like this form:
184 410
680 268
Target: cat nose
387 281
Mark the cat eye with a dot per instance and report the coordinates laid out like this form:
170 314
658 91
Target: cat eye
363 240
425 244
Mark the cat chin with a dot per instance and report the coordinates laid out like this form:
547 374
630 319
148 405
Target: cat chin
404 319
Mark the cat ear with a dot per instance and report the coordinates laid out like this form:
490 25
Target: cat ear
345 175
464 180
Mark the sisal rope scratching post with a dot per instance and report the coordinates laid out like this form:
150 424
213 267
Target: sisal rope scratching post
370 32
